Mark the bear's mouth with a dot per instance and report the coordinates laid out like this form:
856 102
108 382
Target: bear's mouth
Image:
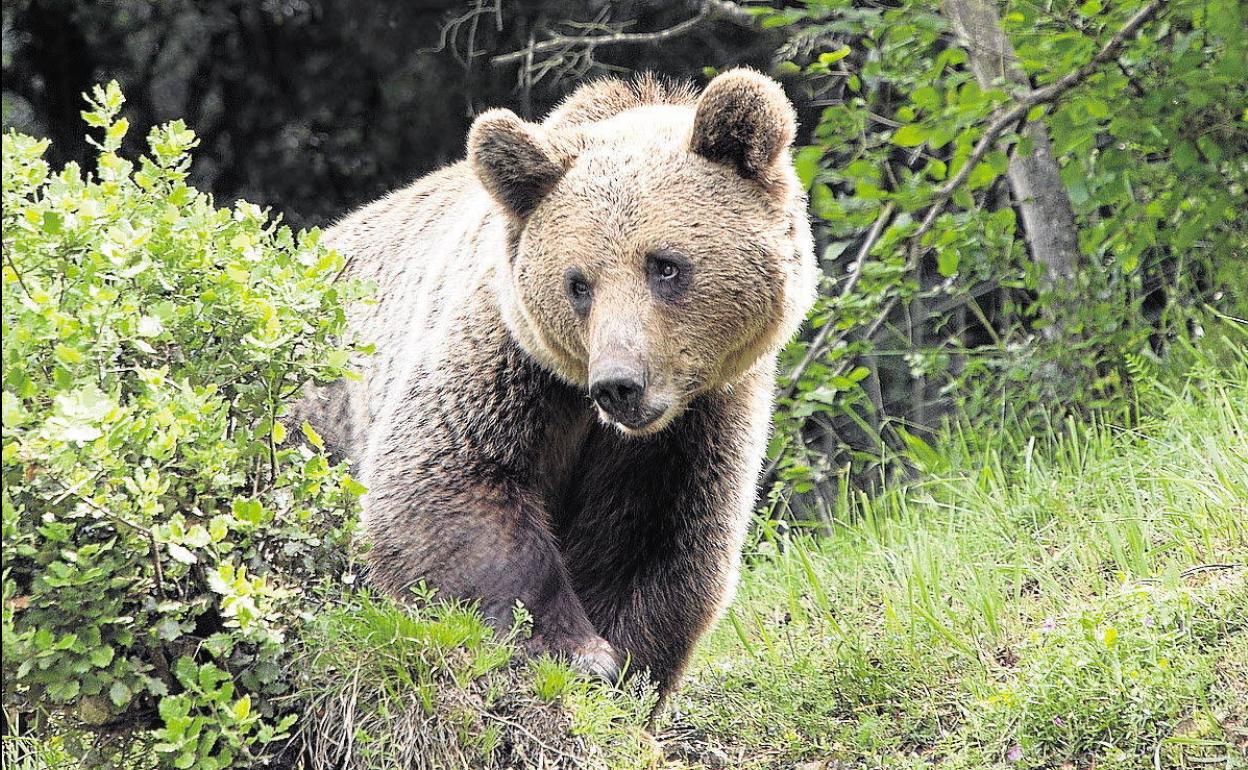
646 422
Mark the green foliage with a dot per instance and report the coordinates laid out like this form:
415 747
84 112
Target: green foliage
1030 603
163 537
1153 153
1079 599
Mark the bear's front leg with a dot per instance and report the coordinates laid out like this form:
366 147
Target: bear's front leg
656 612
655 560
469 527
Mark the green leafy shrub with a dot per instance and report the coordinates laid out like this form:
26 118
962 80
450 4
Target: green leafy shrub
961 321
163 536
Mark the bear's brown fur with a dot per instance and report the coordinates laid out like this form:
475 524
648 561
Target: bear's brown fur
645 244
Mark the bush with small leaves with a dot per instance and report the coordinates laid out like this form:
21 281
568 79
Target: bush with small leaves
164 540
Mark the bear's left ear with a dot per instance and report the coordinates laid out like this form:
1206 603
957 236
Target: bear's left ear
513 159
744 119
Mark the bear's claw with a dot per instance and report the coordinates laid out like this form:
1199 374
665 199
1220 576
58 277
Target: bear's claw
594 656
598 659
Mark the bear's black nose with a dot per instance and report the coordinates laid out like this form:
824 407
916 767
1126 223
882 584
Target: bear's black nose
618 396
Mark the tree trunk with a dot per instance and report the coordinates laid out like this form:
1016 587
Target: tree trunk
1048 220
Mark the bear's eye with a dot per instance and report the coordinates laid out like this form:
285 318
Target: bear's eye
579 291
668 273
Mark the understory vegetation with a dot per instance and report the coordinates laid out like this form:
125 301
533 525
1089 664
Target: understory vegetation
163 536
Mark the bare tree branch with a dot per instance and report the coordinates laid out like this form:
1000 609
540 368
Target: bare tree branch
817 345
448 36
710 9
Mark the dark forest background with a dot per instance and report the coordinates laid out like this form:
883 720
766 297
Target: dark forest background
316 106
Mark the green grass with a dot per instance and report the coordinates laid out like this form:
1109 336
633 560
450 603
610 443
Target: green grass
1073 601
384 686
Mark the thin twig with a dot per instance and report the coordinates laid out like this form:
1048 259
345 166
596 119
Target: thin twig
589 42
16 273
821 341
817 344
68 491
448 36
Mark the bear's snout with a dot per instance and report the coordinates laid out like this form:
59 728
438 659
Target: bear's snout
619 394
624 398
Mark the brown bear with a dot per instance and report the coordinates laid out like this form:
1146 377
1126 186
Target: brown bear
576 332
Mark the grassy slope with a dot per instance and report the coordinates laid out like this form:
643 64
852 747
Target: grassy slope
1077 602
1061 603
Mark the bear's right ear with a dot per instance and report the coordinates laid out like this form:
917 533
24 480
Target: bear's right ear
513 159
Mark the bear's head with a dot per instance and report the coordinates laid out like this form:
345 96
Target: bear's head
658 240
